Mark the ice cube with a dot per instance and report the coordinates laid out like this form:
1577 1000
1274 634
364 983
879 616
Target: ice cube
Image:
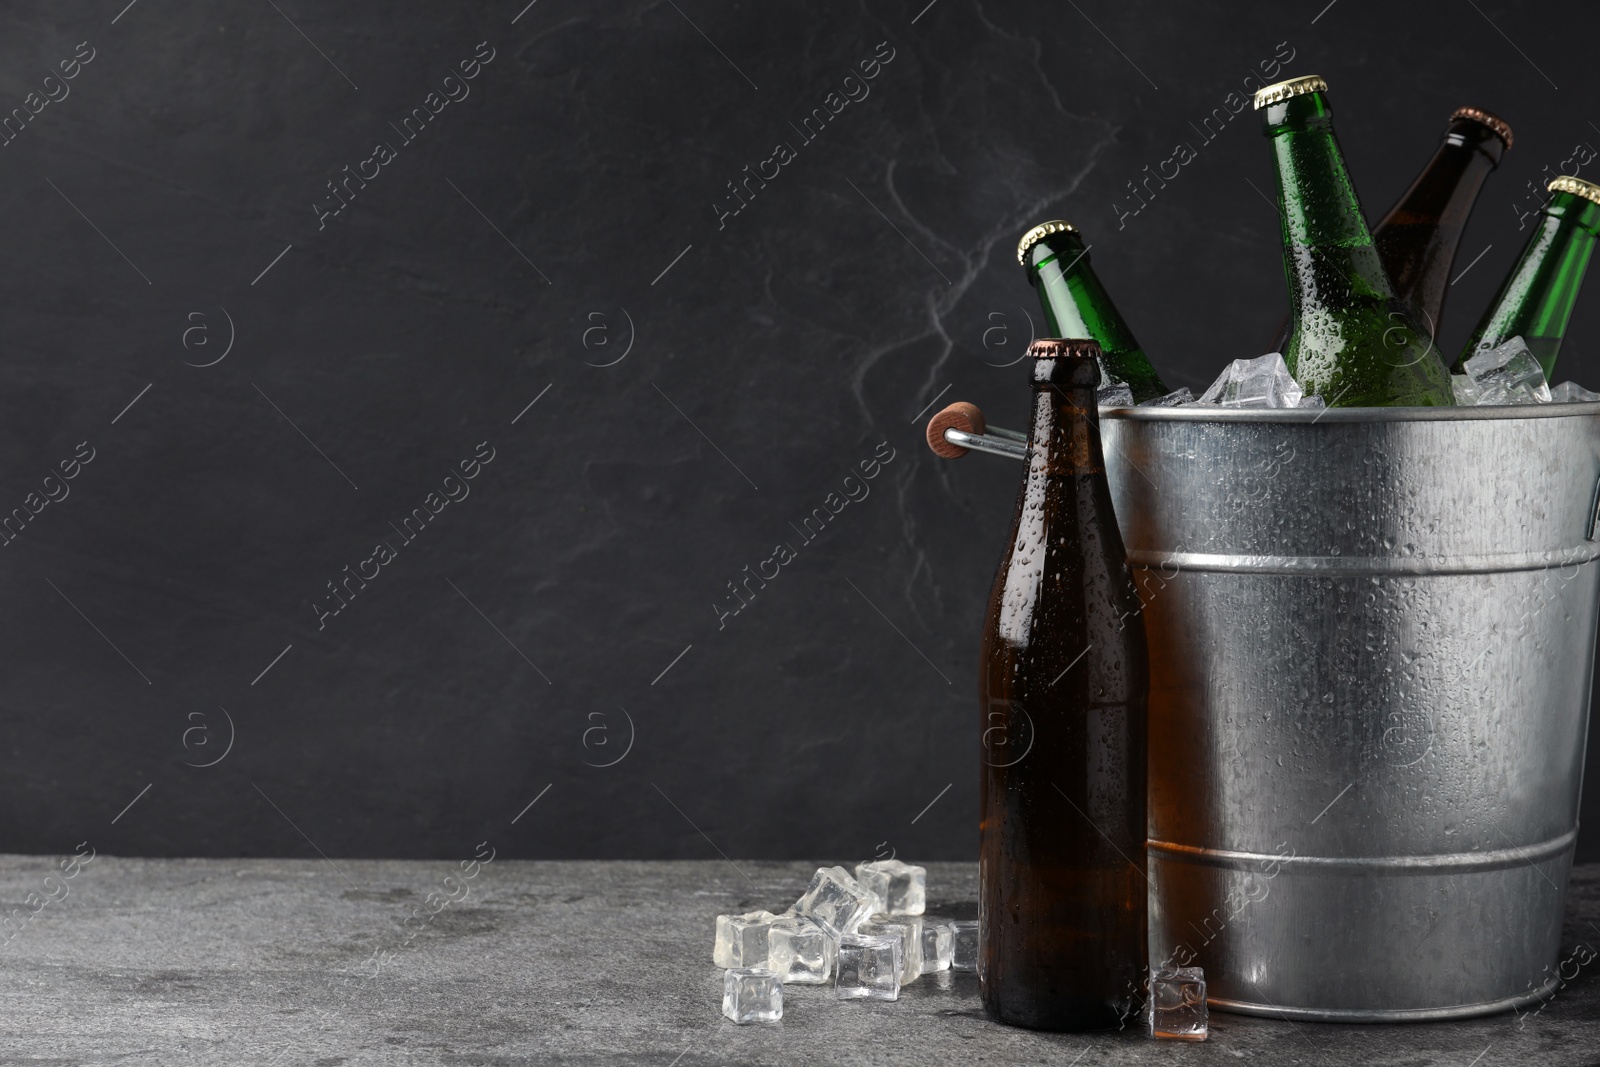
964 949
1263 382
1572 393
1114 396
1312 401
869 967
1178 1004
752 995
1465 390
914 925
1505 374
903 886
1176 398
938 944
835 901
908 928
798 951
742 939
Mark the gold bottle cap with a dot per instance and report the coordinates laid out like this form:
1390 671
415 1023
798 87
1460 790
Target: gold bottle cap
1575 186
1281 91
1039 233
1501 128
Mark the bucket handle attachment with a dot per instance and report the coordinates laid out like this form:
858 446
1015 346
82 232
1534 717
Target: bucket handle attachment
1594 513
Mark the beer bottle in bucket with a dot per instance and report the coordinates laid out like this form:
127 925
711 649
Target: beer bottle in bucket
1418 238
1077 305
1536 299
1351 339
1063 690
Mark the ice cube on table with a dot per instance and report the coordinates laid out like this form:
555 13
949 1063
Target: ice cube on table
1572 393
799 951
908 928
1176 398
869 968
914 925
903 886
742 939
964 947
752 995
1178 1004
1508 373
1114 396
1263 382
938 944
835 901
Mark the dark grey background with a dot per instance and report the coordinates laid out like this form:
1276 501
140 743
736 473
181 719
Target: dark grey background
514 642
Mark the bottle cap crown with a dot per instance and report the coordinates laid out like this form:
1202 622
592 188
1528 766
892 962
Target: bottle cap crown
1501 128
1575 186
1064 348
1281 91
1039 233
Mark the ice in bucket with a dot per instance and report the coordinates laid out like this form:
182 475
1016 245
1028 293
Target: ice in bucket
1572 393
1263 382
1505 374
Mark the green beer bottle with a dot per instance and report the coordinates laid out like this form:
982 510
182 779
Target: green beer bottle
1351 340
1076 305
1536 299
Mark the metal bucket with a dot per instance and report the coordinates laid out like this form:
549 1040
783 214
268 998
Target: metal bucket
1372 634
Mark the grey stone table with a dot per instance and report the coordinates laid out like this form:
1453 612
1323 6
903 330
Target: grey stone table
247 962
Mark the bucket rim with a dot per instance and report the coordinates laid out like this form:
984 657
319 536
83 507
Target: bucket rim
1208 413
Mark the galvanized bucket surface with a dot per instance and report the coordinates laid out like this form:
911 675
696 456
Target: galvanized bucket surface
1372 637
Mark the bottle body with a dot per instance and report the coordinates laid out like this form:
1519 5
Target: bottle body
1536 300
1063 690
1076 305
1351 340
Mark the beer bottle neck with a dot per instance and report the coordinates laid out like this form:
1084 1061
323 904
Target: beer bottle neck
1329 250
1065 436
1417 239
1448 185
1076 305
1536 299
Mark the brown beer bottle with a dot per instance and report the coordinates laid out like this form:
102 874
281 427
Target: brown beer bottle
1063 689
1417 240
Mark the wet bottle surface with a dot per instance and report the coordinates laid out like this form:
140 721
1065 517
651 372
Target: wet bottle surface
1063 690
1418 238
1076 305
1352 341
1536 300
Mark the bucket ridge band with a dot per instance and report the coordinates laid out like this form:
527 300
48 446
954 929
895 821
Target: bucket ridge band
1444 862
1362 566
